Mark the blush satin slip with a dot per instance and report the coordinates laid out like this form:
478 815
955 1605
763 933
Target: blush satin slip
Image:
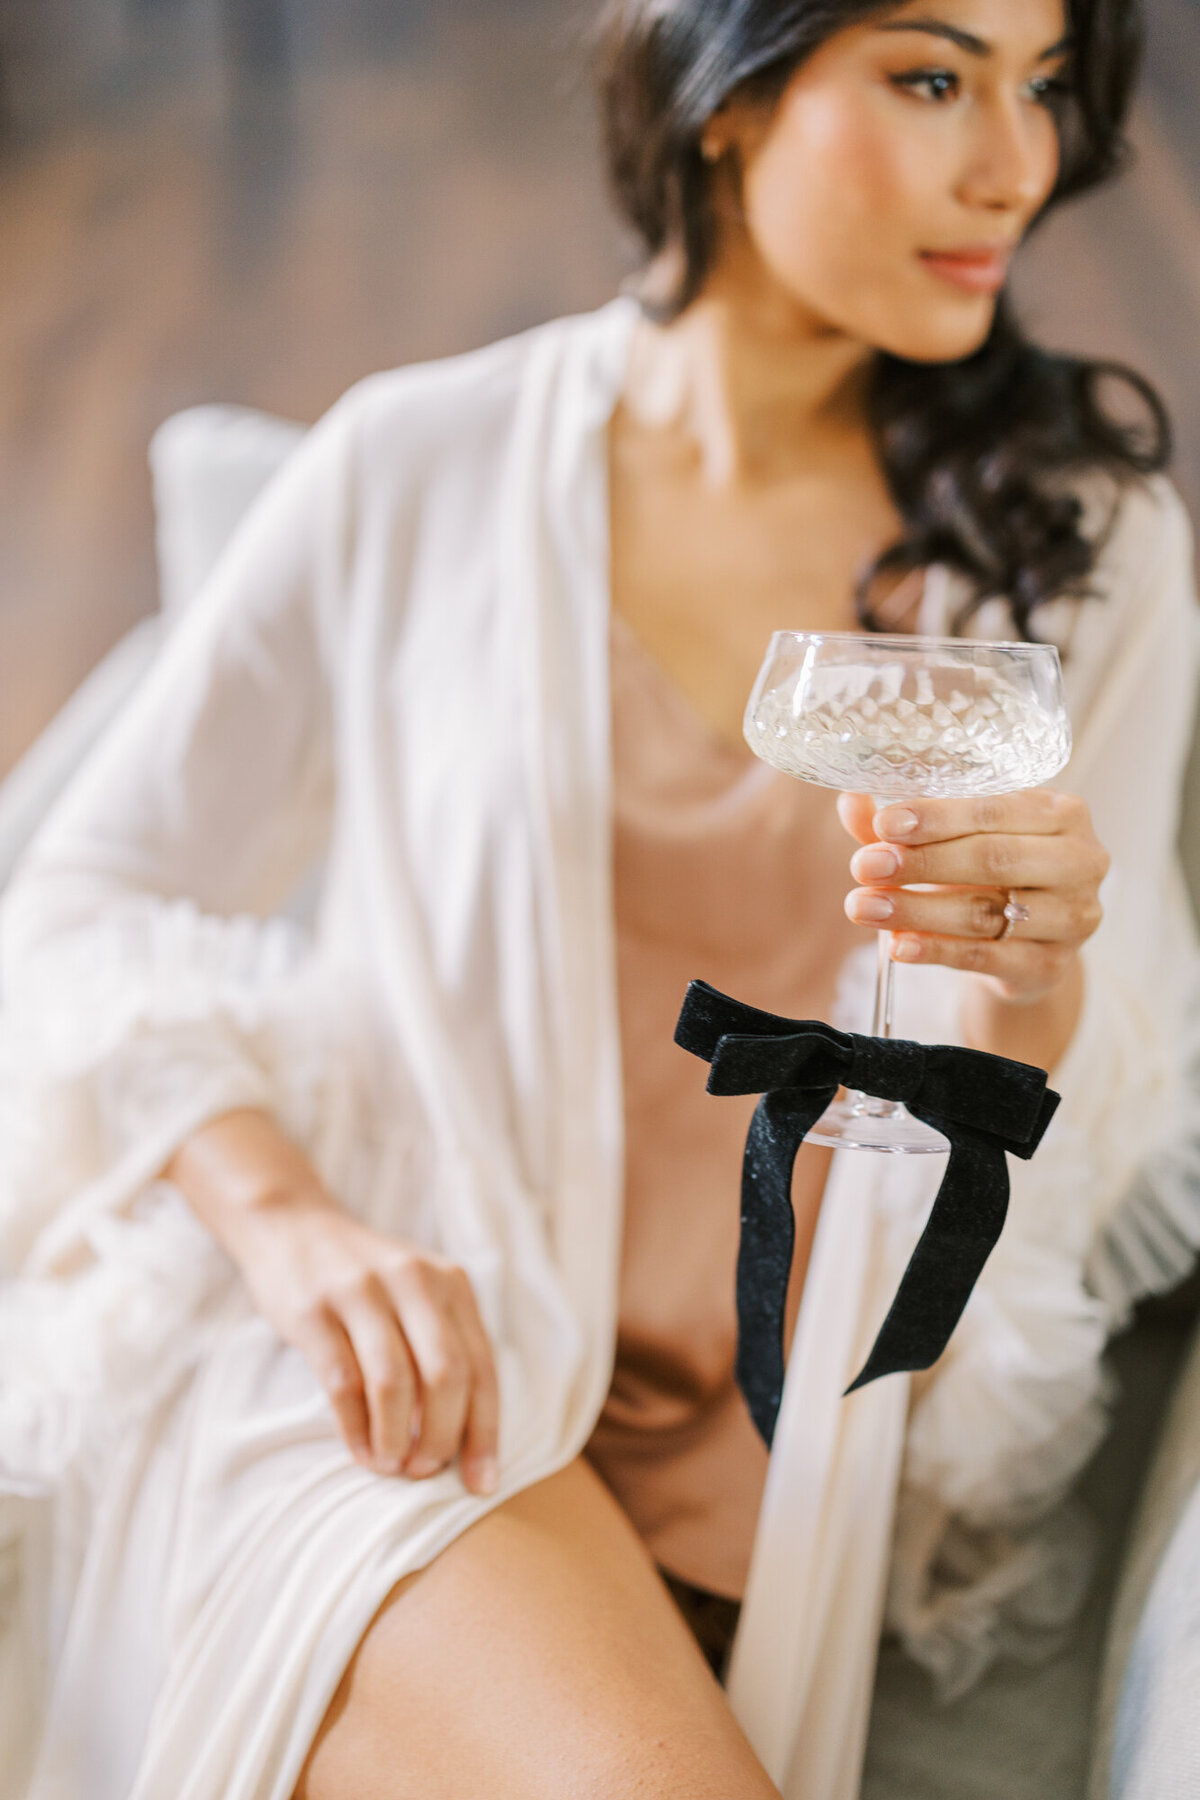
722 868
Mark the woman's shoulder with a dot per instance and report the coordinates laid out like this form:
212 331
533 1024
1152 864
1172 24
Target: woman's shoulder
1139 618
1143 563
1139 604
1144 574
404 418
1145 527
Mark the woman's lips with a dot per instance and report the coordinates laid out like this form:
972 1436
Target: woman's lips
980 271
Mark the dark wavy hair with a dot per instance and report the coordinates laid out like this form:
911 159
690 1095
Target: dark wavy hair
979 454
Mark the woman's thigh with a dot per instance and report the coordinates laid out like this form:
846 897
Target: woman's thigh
539 1658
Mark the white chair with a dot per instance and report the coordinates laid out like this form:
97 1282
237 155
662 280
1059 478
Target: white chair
207 464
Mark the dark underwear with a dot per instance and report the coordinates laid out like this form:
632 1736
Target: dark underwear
711 1619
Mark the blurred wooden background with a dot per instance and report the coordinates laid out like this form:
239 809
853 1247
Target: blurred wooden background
261 200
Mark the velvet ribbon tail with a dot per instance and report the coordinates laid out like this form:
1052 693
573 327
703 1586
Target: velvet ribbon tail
983 1105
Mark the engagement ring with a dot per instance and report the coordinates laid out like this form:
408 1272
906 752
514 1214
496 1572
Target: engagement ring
1014 914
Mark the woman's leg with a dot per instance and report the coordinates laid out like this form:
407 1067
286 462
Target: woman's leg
539 1658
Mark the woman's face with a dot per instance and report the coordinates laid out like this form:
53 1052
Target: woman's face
888 189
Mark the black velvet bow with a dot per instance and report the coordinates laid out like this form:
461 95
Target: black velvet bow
984 1105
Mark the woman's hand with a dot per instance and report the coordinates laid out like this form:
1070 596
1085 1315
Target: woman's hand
939 873
392 1333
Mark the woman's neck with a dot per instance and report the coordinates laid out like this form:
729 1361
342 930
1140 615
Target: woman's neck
754 390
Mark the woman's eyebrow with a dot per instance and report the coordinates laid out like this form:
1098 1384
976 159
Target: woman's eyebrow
966 40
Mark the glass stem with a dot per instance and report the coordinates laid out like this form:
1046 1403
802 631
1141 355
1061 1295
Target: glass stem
881 1023
881 1026
869 1105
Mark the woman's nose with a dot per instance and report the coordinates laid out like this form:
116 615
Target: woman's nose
1013 159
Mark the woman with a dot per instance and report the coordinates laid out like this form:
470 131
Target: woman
322 1241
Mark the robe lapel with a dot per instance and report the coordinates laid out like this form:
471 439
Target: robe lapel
557 593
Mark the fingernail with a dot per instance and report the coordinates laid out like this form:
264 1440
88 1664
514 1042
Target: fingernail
876 863
872 909
420 1466
485 1475
897 821
906 949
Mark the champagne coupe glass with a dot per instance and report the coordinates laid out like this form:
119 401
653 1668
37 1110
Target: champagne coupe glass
904 718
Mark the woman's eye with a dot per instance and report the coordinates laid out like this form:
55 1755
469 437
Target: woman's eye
1049 90
935 84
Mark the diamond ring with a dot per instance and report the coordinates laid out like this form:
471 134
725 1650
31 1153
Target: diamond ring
1015 913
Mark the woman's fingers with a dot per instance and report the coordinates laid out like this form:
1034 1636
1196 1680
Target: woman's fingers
386 1369
1055 916
407 1366
481 1435
1023 967
857 811
393 1335
990 859
940 873
422 1292
323 1340
1035 812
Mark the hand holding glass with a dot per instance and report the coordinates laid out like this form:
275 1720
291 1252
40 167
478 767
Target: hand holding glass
905 718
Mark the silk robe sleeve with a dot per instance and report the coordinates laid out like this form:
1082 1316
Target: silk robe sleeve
140 959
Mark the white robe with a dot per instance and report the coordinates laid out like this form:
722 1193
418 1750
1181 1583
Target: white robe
400 669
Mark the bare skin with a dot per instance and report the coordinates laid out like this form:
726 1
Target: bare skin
539 1656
